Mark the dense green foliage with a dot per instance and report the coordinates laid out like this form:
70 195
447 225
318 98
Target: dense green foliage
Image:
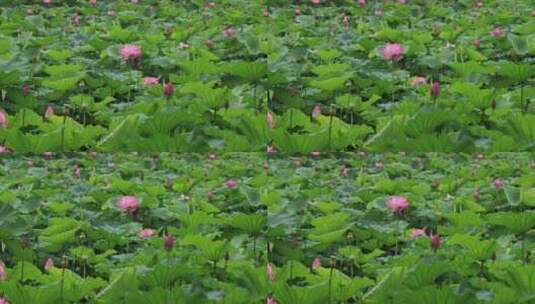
256 240
231 63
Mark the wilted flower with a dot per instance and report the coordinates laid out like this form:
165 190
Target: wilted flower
497 184
379 165
344 171
435 89
29 11
297 11
345 20
210 4
315 153
392 51
150 81
270 274
111 13
168 242
76 171
417 232
497 32
435 241
231 184
398 204
476 42
212 157
128 204
316 263
146 233
49 112
3 119
130 51
229 32
49 264
3 273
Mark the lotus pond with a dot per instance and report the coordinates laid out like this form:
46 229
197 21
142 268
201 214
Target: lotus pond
294 76
244 228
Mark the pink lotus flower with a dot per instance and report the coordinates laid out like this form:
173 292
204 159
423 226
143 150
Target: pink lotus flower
130 51
315 153
4 150
497 32
134 1
392 51
435 89
362 3
265 13
47 2
269 300
417 232
315 1
3 273
418 80
398 204
49 264
270 274
3 119
269 119
168 242
316 263
270 149
150 81
229 32
5 301
378 12
49 112
210 4
435 241
48 154
128 204
146 233
168 89
497 184
231 184
29 11
92 2
316 112
402 1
